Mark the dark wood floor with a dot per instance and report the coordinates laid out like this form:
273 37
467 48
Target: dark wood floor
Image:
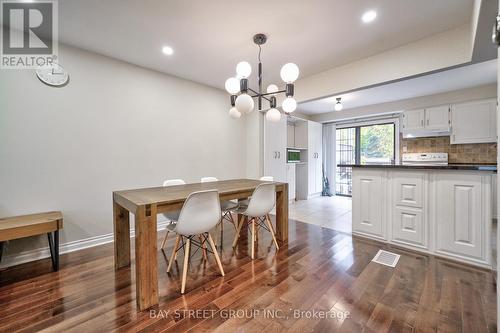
320 269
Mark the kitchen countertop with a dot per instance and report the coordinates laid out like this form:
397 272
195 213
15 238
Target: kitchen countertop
472 167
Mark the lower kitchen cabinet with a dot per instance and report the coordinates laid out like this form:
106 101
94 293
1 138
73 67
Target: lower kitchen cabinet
447 213
367 207
462 215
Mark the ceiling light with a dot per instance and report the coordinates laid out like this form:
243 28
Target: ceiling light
369 16
167 50
338 105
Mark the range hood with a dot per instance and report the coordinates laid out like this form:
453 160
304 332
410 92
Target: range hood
425 133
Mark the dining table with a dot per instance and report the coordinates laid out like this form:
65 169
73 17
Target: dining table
146 203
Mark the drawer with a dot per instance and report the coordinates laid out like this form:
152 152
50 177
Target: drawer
408 226
408 189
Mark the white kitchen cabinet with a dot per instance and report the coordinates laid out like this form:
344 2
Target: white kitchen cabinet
291 180
368 202
275 140
315 157
427 122
474 122
437 118
409 224
462 215
413 120
447 213
494 196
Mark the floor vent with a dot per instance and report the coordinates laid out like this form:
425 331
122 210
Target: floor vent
386 258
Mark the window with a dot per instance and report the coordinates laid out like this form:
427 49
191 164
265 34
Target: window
370 144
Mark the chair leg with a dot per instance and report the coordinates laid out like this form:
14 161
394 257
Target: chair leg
1 250
186 262
238 230
164 240
174 253
216 255
270 225
54 249
253 238
203 247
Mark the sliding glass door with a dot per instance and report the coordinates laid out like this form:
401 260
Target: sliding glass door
370 144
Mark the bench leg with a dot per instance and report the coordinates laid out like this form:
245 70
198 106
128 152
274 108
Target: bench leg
54 249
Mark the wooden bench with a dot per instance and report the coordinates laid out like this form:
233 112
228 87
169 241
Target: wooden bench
34 224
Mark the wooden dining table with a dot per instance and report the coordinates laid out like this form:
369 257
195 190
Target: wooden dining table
147 203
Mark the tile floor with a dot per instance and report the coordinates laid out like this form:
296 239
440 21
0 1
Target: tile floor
329 212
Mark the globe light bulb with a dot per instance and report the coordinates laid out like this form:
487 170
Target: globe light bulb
232 85
289 72
243 69
234 113
273 115
244 103
289 104
272 88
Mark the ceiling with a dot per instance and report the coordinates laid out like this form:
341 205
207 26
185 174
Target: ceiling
210 37
453 79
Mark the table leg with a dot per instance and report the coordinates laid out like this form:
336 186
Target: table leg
282 214
146 270
121 225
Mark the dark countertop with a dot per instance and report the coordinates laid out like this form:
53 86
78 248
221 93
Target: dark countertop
472 167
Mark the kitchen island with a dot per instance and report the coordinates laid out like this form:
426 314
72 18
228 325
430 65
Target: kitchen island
445 210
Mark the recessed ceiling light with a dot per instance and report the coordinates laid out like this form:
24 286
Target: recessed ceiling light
167 50
369 16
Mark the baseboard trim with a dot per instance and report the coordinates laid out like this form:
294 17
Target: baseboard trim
42 253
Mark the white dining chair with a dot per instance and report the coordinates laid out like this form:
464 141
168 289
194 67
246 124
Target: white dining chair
200 213
227 207
244 202
174 215
257 213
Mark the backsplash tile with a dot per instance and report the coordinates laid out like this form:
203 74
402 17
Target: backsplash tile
467 153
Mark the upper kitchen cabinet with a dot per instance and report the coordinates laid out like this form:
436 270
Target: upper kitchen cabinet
432 121
474 122
413 120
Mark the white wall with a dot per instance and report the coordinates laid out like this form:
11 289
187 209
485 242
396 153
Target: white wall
115 126
456 96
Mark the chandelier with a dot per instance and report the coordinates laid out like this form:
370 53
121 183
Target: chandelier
242 95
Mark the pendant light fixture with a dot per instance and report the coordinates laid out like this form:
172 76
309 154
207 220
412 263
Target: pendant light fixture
338 105
242 96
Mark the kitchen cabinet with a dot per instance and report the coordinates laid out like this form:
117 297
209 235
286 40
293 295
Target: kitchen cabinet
447 213
291 180
427 121
275 140
413 120
367 203
474 122
315 157
409 224
461 213
437 118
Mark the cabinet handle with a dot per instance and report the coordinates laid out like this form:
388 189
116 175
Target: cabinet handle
275 154
279 154
422 122
427 122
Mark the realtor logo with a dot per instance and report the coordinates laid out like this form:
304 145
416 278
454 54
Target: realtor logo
29 33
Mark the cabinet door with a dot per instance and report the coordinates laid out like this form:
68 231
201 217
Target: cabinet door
408 189
408 226
413 120
437 118
275 149
290 179
319 157
459 215
368 198
474 122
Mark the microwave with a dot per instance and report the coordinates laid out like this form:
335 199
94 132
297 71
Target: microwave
293 155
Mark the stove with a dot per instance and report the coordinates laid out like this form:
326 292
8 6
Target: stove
425 159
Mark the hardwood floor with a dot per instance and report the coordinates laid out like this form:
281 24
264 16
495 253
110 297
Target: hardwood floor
319 269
